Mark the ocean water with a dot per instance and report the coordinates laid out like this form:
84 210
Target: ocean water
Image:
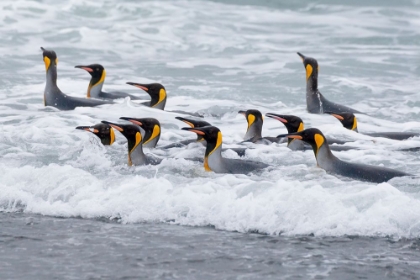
72 209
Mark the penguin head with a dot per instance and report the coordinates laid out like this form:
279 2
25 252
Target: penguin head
348 120
292 123
156 91
311 66
132 133
151 126
211 134
255 122
98 74
312 136
103 131
50 58
194 124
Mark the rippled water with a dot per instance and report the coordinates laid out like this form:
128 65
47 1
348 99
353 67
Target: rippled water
214 57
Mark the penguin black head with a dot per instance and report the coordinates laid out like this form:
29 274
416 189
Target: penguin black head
348 120
130 131
151 127
311 66
103 131
292 123
252 116
50 58
312 136
97 72
194 124
156 91
211 134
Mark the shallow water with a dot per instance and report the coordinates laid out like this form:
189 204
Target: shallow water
213 57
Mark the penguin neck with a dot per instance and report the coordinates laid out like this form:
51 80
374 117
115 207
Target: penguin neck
312 83
51 84
158 101
254 132
95 85
325 158
213 157
151 137
136 156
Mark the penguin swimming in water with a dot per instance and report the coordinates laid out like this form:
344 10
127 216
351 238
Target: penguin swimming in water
98 73
295 124
151 127
213 160
103 131
349 121
194 124
253 133
136 155
316 103
53 96
157 94
330 163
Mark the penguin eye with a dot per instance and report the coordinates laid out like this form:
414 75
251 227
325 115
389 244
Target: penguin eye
97 69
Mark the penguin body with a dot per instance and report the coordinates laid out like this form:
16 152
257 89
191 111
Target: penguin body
330 163
316 103
98 74
53 96
213 160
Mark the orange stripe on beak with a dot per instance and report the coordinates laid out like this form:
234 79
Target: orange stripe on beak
142 87
338 117
87 69
199 132
116 127
136 122
295 137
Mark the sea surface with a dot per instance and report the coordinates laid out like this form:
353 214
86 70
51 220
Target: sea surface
71 208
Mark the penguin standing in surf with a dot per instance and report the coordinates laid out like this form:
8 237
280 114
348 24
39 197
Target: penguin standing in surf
316 103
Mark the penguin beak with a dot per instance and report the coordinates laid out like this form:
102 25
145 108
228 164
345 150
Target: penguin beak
84 68
296 135
141 86
116 126
277 117
337 116
242 112
195 130
88 128
301 56
132 121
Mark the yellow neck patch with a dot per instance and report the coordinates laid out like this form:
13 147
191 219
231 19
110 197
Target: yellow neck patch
309 70
206 158
47 62
251 120
111 136
354 127
301 127
138 141
155 133
319 140
162 96
101 80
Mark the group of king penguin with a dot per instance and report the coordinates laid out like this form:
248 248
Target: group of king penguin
145 132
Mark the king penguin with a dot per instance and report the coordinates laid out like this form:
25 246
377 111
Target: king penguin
136 155
213 160
98 74
330 163
53 96
255 123
316 103
151 127
157 94
349 121
103 131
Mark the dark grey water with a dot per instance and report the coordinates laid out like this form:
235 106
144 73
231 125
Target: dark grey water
71 248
